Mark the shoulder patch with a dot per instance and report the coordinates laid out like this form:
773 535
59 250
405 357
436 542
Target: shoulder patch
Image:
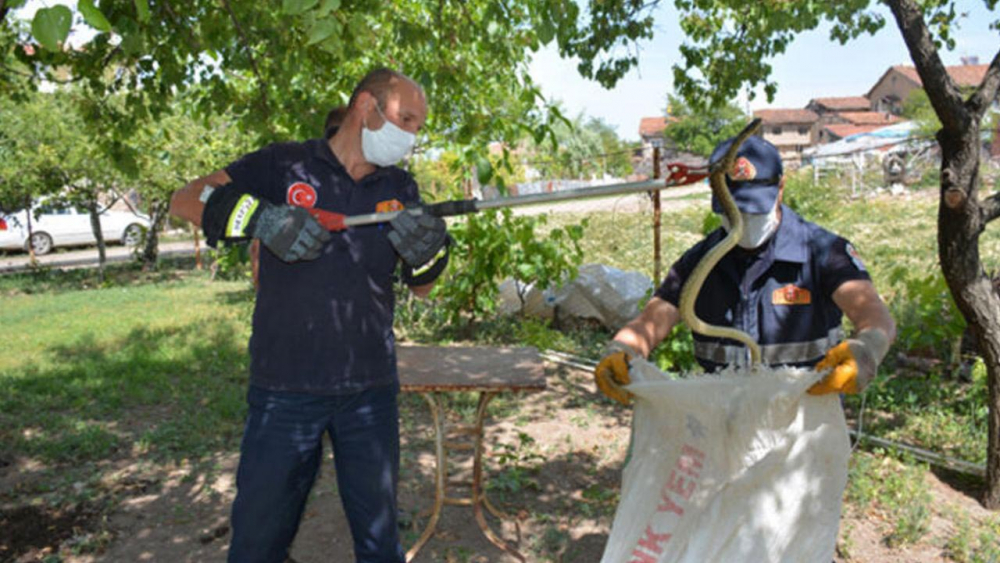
855 257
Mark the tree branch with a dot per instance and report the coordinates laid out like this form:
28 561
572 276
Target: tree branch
987 91
261 85
990 208
941 89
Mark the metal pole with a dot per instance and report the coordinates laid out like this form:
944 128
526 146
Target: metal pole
656 217
530 199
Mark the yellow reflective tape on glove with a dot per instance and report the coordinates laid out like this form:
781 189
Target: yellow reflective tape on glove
239 219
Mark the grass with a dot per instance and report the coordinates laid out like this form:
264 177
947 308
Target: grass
154 368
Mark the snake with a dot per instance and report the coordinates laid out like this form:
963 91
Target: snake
691 288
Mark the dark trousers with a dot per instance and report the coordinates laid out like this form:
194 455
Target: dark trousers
279 458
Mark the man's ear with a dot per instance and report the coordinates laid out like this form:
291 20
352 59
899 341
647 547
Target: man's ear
781 189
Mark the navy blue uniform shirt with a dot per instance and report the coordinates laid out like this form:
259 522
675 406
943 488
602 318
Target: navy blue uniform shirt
781 294
325 326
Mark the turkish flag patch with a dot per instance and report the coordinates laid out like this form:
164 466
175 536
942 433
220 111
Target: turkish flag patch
301 194
791 295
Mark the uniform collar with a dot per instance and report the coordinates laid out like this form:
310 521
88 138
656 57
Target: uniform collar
791 242
321 150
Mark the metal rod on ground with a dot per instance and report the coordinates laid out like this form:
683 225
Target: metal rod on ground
927 456
656 217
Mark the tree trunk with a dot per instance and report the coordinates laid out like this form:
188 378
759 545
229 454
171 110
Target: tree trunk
95 225
151 246
33 260
962 217
197 248
959 227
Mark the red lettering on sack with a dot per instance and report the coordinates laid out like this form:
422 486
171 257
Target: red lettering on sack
690 461
640 557
668 505
651 541
680 485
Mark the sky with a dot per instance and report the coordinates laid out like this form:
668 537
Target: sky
813 66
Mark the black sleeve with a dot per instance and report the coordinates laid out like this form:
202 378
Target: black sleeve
670 289
257 174
840 262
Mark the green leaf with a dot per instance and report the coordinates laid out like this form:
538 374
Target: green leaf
295 7
51 26
484 170
546 31
133 43
93 16
142 8
320 30
326 7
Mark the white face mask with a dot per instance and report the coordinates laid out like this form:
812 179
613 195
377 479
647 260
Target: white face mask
758 228
385 146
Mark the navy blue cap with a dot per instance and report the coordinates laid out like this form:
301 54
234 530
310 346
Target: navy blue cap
756 175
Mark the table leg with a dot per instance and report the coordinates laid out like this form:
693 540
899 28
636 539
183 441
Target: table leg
478 490
441 466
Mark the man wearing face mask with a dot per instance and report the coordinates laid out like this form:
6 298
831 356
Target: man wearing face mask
788 284
322 349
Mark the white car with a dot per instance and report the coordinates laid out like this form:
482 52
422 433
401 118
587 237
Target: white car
58 225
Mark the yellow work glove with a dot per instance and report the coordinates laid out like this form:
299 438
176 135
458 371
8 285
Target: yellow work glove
612 371
852 363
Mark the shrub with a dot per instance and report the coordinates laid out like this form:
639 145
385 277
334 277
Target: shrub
494 245
928 320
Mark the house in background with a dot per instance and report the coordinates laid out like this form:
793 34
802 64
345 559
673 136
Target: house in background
849 123
651 131
790 130
828 108
891 90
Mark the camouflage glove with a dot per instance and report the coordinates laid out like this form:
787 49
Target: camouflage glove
417 237
291 233
612 371
852 363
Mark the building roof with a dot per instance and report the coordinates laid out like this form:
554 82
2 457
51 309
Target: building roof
843 103
963 75
776 116
842 130
649 126
869 118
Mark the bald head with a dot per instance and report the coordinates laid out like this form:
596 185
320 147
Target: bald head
381 83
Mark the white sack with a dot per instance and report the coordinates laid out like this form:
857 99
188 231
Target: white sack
732 467
536 303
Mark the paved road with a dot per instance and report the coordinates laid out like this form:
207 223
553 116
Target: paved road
87 257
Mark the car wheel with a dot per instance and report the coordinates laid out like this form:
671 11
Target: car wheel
42 243
132 235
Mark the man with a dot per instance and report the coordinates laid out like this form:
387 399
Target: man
787 284
322 349
332 122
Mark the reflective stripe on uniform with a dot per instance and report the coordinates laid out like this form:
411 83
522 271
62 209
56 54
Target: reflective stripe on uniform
771 354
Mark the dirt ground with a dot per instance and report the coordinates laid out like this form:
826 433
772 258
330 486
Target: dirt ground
554 459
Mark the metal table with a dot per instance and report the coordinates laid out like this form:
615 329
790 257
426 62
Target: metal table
489 371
